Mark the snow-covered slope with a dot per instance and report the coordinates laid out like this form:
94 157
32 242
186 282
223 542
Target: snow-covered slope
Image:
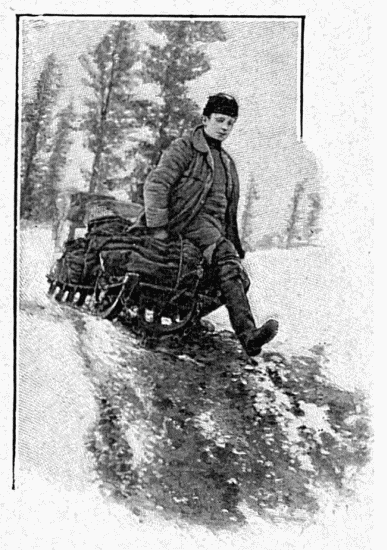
64 357
319 298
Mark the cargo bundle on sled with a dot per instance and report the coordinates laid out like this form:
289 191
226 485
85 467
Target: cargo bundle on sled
118 271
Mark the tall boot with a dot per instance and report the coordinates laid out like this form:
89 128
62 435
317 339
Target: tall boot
234 283
241 317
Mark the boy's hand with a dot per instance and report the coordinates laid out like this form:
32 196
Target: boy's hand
160 234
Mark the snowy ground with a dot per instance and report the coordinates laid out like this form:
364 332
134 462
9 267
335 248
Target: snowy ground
58 504
318 298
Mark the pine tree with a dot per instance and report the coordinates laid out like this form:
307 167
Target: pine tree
37 116
171 66
312 225
109 120
248 215
62 141
292 230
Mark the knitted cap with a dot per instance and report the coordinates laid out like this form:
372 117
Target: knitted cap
221 103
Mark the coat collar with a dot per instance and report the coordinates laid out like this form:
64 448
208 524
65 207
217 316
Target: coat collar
198 139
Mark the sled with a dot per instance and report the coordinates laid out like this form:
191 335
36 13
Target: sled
119 272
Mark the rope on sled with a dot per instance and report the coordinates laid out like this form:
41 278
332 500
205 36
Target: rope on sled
180 263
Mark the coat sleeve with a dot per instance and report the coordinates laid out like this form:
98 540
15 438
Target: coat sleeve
157 188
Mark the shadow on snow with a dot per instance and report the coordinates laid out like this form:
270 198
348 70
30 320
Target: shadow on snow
194 430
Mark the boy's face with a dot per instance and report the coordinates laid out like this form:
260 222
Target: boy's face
218 126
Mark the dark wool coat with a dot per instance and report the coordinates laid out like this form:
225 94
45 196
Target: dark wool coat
177 188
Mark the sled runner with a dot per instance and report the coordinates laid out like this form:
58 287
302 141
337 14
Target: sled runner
118 271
